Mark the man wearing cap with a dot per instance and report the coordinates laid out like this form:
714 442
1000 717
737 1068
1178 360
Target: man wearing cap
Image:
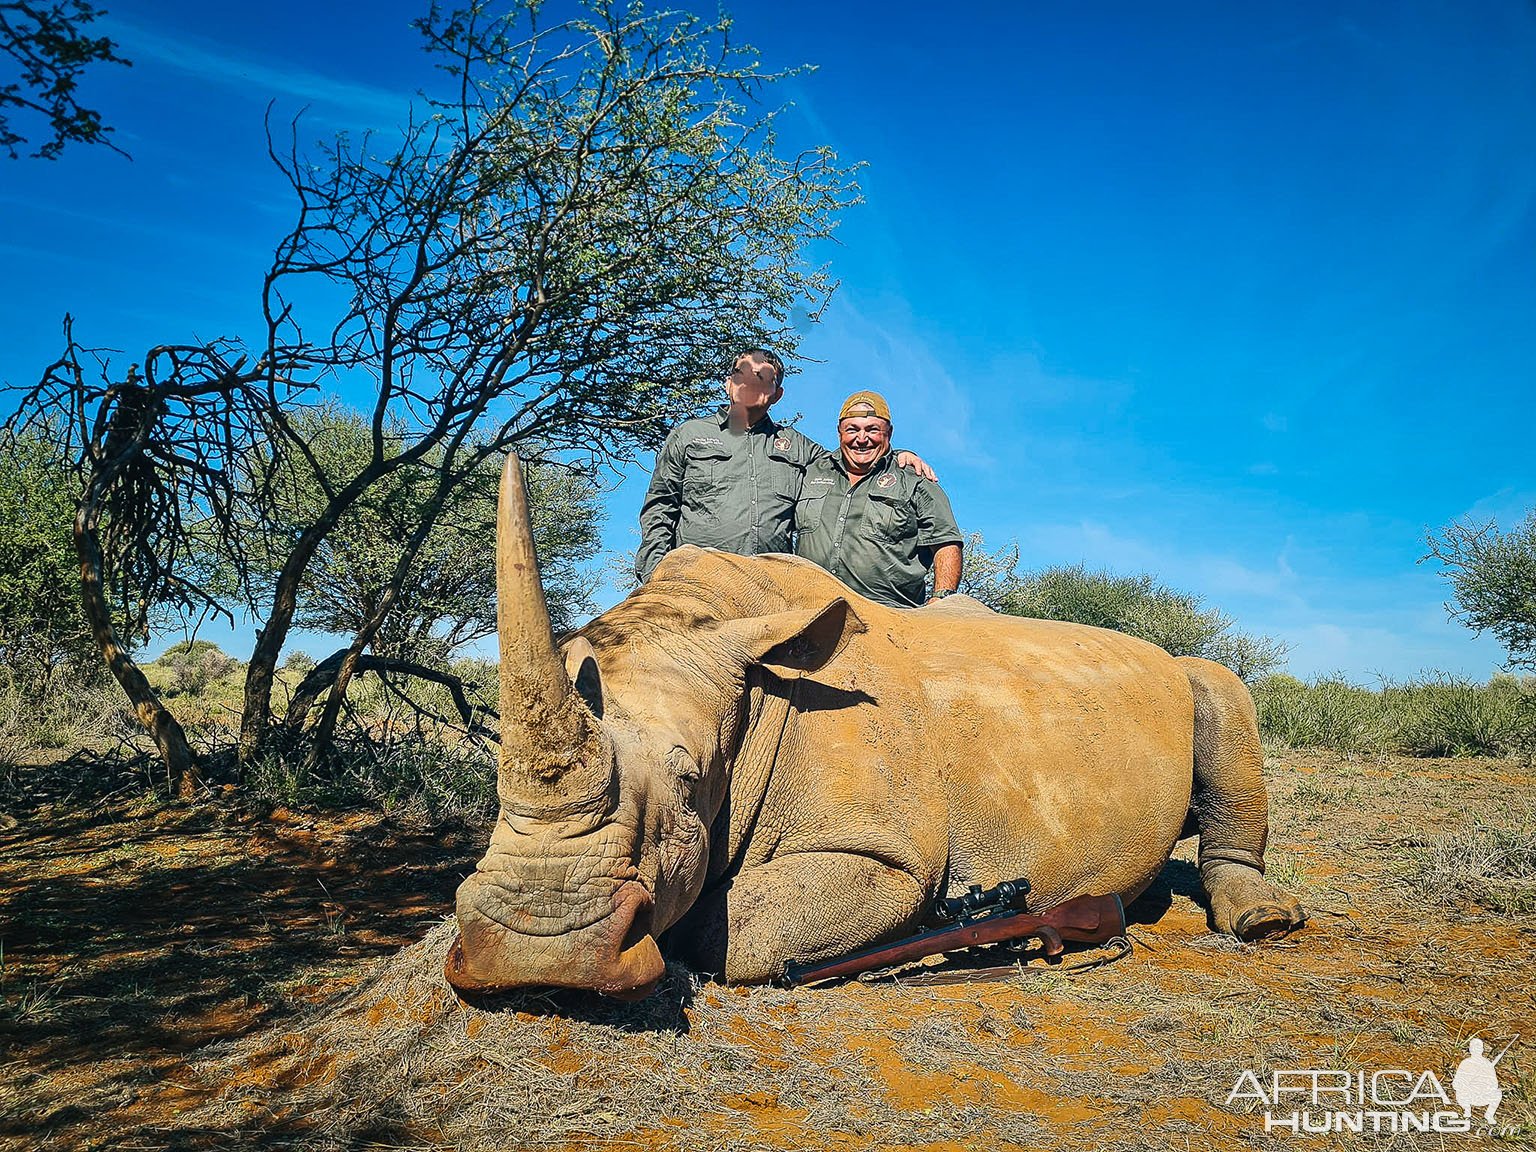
878 529
731 481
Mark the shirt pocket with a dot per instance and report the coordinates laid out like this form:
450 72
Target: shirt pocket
892 516
786 477
704 474
809 511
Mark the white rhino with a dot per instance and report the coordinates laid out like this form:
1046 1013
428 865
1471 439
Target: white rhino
749 756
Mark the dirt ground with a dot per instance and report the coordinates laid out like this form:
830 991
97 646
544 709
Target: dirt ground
190 977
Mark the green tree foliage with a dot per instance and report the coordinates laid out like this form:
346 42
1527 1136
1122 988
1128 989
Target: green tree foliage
561 249
1493 581
42 626
447 596
990 576
1137 605
192 665
49 46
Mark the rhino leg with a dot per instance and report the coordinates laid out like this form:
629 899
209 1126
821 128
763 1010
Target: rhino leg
1232 808
805 906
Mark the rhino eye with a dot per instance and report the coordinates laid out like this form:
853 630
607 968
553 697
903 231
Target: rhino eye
683 765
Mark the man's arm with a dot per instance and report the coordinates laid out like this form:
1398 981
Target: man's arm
661 509
936 529
906 458
946 569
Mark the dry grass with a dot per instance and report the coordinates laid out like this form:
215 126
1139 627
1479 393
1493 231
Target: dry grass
1140 1054
1436 715
1490 859
402 1058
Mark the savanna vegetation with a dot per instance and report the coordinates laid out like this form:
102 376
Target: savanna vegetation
1136 604
413 730
549 259
1493 579
1492 575
1434 715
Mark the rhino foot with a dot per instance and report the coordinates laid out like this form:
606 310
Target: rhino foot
1245 905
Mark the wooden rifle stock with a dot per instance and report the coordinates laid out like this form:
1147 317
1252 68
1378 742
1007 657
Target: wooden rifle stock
1083 919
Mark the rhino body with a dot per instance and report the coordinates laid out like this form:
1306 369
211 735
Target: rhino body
752 759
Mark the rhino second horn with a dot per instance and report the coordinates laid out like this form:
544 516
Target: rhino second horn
551 748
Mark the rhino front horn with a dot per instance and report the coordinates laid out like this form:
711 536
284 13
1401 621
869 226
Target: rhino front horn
551 745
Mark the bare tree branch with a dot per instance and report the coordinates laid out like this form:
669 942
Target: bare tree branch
562 247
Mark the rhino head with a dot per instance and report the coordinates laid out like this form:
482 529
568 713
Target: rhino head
613 765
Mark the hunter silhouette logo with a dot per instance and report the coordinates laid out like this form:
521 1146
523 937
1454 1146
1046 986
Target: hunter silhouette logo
1476 1082
1314 1101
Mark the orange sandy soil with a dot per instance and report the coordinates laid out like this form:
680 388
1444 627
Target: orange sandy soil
138 935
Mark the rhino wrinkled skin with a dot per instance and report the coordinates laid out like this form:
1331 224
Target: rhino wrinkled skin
748 756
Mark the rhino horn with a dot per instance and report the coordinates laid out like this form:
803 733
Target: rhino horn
552 751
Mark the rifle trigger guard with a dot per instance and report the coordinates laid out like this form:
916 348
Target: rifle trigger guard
1048 938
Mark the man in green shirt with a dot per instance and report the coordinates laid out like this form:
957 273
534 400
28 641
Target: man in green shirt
731 481
878 529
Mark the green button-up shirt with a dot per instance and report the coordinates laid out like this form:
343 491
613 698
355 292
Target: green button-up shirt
877 536
719 488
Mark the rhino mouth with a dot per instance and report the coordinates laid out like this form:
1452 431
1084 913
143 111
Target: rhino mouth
615 955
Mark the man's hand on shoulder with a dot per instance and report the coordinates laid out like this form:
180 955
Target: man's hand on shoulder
916 463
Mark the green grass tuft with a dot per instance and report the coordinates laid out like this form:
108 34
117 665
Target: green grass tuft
1437 715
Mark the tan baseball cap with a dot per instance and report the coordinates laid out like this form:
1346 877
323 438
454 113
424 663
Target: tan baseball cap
866 404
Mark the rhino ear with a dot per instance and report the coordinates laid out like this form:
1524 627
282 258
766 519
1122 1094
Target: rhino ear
581 670
788 643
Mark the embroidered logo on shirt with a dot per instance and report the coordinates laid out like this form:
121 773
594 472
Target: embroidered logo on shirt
885 481
820 480
780 444
707 440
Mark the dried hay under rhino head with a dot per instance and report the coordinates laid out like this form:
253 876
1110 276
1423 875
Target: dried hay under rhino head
402 1061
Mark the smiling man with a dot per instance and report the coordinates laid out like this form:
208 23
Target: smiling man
877 528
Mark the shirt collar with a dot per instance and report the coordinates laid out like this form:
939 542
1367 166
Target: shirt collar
766 425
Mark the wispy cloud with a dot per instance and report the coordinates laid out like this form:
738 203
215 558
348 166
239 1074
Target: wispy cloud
363 105
880 344
799 103
1507 508
1216 575
1034 384
930 411
1395 625
1367 647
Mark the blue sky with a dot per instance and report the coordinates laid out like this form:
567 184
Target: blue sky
1242 296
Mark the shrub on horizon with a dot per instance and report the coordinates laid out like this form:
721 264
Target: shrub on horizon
1136 605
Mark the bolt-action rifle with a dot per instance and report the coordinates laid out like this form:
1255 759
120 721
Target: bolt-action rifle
977 917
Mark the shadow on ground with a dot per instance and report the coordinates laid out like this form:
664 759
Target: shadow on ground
133 933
